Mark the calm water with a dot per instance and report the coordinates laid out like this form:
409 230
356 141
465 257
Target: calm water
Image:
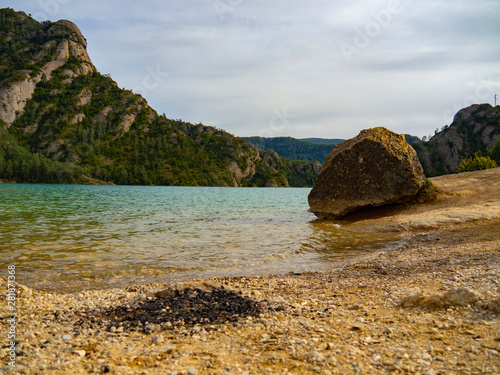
79 236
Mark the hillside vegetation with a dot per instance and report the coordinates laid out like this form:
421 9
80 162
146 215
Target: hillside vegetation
63 121
296 149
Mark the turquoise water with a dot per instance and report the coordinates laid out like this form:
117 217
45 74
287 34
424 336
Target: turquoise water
78 236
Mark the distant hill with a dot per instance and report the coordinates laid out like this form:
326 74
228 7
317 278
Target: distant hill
296 149
475 128
323 141
63 121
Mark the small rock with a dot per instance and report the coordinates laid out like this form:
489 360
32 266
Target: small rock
66 337
388 331
168 349
315 356
459 297
158 339
80 353
191 371
357 327
353 307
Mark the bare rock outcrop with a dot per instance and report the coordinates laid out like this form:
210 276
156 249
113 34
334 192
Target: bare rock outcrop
13 98
476 127
376 168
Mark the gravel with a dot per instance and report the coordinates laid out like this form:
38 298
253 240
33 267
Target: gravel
349 320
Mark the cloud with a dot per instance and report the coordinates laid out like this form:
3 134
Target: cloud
334 67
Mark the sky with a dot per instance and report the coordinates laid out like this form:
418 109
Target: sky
274 68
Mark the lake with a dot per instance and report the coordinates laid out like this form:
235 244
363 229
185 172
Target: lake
73 237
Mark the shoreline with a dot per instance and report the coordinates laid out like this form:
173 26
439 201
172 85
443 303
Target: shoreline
346 320
430 307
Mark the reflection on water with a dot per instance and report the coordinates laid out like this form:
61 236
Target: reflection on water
81 236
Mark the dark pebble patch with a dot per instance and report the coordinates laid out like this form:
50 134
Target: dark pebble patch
186 307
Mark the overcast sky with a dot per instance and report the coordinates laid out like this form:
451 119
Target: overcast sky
319 68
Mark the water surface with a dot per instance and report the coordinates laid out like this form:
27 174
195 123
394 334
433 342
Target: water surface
78 236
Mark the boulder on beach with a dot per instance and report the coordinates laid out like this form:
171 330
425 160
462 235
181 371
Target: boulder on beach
376 168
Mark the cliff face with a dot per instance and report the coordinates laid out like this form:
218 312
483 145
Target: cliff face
473 128
54 104
14 94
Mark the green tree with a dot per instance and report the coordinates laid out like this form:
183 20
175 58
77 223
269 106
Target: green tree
495 152
476 163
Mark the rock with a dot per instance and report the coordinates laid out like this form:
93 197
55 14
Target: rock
353 307
376 168
494 306
460 297
80 353
315 357
158 339
474 127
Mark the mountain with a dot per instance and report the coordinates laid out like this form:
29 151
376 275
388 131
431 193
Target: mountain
296 149
474 128
323 141
63 121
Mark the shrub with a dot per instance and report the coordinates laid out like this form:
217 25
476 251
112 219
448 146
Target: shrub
476 163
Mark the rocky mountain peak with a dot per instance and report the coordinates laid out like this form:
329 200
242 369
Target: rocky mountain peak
74 30
474 128
57 43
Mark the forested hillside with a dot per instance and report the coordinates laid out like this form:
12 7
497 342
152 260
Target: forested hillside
63 121
296 149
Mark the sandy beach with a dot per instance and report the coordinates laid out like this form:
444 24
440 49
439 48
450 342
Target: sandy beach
429 307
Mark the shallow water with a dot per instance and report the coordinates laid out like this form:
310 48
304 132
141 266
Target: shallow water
71 237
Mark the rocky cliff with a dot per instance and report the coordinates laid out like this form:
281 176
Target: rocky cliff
16 92
474 128
56 108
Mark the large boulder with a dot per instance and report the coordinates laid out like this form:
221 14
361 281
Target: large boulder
375 168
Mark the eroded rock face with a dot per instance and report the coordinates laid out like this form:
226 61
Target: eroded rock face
14 97
476 127
375 168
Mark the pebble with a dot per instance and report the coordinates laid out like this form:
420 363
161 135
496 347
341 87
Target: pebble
80 353
353 307
158 339
306 332
315 356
